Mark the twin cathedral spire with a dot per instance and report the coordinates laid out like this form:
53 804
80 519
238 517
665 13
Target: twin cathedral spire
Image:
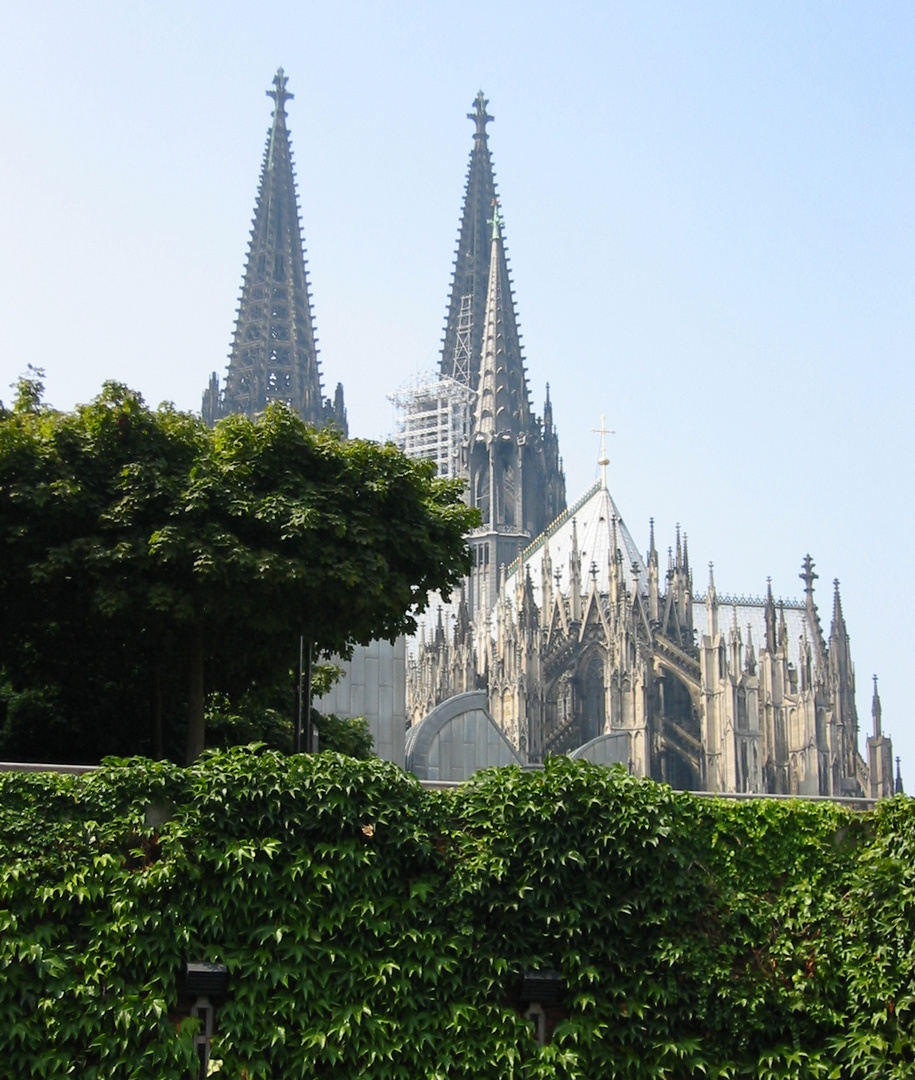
274 355
508 456
608 660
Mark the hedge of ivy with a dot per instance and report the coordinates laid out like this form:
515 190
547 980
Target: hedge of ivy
372 928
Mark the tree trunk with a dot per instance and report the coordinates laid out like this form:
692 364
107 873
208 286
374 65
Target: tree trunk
195 723
299 699
158 746
308 733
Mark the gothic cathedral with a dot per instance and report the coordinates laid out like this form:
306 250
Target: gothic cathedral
581 645
578 643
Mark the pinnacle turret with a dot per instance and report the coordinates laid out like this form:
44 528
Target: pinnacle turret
711 605
838 619
771 631
274 351
877 712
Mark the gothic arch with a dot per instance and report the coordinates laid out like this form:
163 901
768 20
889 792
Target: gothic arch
593 714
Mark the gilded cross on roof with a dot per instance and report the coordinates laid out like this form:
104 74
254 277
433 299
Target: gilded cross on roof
280 94
479 115
603 460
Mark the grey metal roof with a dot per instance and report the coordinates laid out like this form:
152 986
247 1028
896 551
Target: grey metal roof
593 516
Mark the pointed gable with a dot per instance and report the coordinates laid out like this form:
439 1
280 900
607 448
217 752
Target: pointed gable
597 519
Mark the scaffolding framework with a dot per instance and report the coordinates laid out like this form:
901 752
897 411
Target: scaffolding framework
434 420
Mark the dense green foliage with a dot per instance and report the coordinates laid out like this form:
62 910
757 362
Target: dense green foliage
149 561
348 735
375 929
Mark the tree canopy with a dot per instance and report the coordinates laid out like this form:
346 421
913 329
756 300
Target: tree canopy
149 559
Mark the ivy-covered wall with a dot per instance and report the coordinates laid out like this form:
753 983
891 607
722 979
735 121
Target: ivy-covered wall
375 929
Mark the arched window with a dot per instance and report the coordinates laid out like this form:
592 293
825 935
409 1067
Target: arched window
593 700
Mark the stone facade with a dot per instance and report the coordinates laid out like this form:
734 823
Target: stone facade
715 693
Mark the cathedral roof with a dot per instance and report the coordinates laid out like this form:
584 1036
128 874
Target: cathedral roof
591 521
751 612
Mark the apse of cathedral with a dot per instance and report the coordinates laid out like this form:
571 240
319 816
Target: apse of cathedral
581 645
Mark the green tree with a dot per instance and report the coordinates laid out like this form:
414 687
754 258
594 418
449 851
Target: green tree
148 559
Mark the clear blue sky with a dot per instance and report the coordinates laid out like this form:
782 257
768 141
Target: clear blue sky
710 210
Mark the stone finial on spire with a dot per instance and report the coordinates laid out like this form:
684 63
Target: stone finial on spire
807 574
711 604
479 115
877 712
782 627
279 93
838 619
899 790
750 666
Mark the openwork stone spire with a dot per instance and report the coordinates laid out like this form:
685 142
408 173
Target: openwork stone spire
502 400
273 355
462 345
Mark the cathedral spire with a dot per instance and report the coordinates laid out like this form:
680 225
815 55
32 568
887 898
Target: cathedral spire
463 341
273 355
502 403
877 712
